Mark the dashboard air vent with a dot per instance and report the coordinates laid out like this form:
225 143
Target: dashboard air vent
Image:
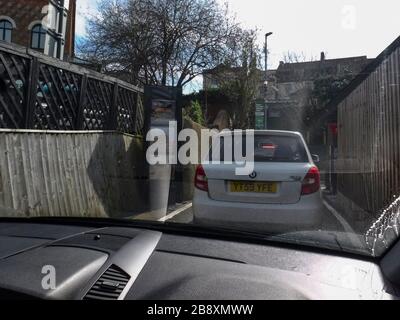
109 286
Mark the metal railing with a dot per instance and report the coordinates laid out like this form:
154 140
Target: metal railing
39 92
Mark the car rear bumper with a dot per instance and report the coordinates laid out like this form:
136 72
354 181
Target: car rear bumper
304 215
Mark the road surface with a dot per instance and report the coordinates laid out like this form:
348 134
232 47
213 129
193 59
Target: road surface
332 221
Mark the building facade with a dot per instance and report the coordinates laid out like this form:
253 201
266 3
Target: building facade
298 88
47 26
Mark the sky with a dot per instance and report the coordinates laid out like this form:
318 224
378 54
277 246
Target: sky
340 28
84 9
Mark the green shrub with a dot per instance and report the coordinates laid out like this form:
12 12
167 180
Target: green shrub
194 112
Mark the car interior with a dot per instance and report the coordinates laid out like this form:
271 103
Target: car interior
199 152
100 260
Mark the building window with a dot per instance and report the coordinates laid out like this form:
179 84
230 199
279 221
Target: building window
38 37
5 30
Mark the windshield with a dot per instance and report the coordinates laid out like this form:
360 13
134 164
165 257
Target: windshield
272 119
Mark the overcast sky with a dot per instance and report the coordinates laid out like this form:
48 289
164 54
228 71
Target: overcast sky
341 28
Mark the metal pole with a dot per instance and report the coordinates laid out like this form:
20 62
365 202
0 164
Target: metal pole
266 58
60 29
206 105
266 79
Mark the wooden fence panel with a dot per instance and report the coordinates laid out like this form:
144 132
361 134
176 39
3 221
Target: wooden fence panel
61 173
369 138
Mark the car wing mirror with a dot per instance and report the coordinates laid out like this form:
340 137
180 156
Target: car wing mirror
315 158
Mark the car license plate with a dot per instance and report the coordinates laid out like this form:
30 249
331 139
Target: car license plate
258 187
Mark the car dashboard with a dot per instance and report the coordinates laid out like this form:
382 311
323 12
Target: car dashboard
56 261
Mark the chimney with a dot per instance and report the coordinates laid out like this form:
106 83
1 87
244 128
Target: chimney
322 56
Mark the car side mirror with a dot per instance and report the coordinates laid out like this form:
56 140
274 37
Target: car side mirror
315 158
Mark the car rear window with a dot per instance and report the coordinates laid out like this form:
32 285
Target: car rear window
271 148
279 149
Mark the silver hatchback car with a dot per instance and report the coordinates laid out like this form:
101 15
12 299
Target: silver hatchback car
282 192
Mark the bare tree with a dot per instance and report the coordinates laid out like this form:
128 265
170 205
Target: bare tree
159 41
295 57
243 79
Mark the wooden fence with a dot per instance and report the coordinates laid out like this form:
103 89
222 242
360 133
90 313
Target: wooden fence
71 173
38 92
368 162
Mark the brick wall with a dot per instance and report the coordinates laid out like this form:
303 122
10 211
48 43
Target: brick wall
24 12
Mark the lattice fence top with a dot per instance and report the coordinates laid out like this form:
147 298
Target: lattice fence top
38 92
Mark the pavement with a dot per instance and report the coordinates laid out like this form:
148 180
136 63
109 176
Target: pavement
332 220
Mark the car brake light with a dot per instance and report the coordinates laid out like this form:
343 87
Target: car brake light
200 179
268 146
311 182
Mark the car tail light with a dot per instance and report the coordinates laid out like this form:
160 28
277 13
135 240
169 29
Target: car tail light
311 182
268 146
200 179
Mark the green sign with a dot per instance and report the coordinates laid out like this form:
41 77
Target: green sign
260 115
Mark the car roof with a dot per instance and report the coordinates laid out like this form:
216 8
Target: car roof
278 132
269 132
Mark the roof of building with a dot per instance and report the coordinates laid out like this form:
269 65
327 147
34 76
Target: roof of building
368 70
364 74
224 68
308 71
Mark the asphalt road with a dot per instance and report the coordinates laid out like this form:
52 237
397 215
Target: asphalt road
332 220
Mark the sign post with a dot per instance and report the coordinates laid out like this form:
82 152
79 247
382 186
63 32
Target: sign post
261 115
163 107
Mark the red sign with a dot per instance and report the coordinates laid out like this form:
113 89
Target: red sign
333 128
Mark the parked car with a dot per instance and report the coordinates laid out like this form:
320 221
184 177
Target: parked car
283 192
